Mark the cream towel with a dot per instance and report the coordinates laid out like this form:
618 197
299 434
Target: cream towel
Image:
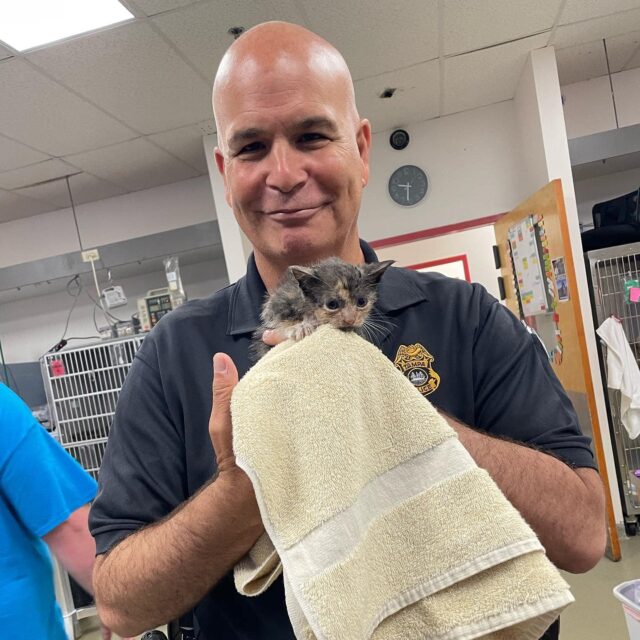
384 525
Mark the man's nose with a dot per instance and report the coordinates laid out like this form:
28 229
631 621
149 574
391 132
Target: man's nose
286 170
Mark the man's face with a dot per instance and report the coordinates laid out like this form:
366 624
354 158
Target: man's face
295 162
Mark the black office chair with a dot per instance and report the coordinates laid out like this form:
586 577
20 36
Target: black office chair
616 222
181 629
620 210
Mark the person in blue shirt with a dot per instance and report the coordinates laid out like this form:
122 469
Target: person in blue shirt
44 496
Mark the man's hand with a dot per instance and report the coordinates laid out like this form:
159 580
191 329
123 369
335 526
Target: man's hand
272 337
225 378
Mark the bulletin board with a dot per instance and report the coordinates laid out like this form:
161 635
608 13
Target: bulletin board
546 209
545 212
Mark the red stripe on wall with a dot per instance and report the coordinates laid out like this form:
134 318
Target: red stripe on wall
436 231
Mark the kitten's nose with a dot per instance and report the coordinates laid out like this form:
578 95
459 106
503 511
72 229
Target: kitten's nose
349 319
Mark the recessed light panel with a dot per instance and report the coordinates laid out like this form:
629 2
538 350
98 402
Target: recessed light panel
25 24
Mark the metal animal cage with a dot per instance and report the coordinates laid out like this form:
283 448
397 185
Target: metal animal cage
82 386
609 270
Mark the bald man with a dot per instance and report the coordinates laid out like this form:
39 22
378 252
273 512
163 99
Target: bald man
174 512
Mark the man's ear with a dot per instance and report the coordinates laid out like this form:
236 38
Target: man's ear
219 158
363 139
373 271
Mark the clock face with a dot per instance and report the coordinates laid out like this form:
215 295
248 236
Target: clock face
408 185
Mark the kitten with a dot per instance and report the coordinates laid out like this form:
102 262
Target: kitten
330 292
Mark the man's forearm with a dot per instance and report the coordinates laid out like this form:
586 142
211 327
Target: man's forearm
564 506
158 573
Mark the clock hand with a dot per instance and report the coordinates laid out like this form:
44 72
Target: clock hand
407 187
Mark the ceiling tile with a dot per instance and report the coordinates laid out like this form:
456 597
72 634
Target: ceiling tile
622 49
47 170
484 77
14 155
416 99
582 62
39 112
84 188
153 7
53 193
13 207
577 10
186 144
474 24
634 63
132 73
596 29
376 36
87 188
626 89
200 32
133 165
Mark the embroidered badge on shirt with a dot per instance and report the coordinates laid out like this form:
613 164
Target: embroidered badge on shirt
416 363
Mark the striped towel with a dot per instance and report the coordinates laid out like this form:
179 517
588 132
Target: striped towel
379 519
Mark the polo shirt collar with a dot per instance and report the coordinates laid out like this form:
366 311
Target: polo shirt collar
396 291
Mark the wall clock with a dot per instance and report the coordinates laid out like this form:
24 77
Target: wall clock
408 185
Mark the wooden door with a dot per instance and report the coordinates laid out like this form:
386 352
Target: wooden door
547 299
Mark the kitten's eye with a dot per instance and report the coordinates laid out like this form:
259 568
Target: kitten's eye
361 302
332 305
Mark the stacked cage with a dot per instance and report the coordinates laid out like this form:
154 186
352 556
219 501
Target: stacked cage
611 270
82 386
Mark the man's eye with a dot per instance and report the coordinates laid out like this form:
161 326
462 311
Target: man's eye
254 147
312 137
332 305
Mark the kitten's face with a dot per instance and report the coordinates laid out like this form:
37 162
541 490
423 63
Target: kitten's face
340 294
345 307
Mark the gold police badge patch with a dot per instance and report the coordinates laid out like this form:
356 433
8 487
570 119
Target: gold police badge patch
416 363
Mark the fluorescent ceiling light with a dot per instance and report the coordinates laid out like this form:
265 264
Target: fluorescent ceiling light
25 24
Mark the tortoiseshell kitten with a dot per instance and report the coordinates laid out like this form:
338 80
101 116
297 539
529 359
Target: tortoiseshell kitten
330 292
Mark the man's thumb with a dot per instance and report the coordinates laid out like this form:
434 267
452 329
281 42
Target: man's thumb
225 376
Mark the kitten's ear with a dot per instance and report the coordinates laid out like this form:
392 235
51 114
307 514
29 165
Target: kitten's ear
304 275
374 271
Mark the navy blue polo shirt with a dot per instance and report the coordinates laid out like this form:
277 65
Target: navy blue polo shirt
461 348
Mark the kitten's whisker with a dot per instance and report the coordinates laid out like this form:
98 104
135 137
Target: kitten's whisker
373 330
379 317
380 325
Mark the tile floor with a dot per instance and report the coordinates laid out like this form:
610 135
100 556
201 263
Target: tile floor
595 615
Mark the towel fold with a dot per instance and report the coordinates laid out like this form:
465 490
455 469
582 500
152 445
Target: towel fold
384 526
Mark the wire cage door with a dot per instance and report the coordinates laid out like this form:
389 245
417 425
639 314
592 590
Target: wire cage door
612 271
82 386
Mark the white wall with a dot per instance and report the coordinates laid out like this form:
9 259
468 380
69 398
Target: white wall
589 105
475 244
132 215
31 326
602 188
472 162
